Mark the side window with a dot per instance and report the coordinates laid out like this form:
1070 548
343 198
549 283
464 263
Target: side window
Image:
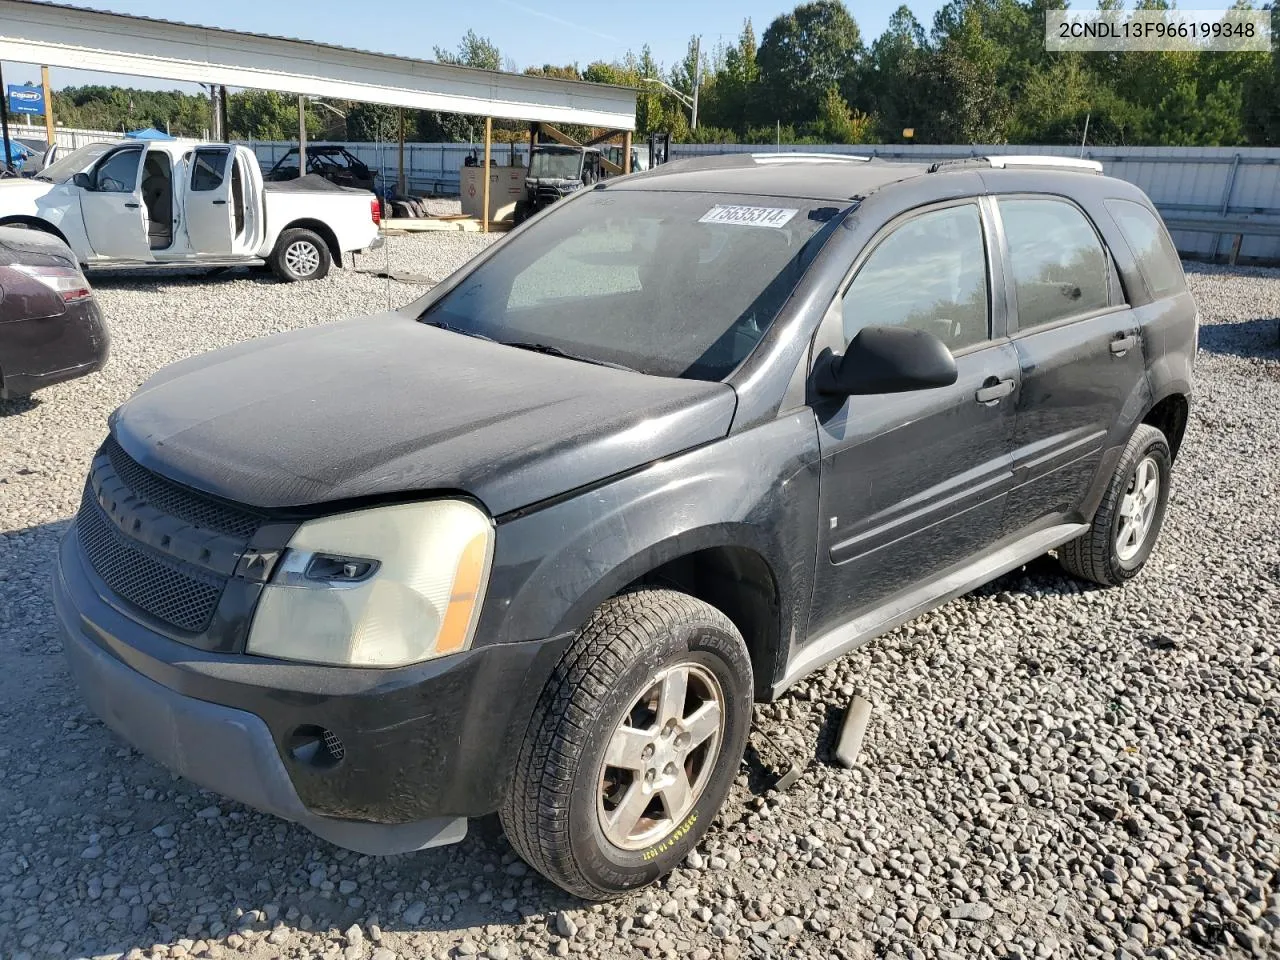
1059 267
118 173
929 274
207 169
1157 260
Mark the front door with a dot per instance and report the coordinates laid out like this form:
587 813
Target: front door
115 218
1079 351
914 482
210 212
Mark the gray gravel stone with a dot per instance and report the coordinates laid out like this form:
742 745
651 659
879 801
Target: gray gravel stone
1095 766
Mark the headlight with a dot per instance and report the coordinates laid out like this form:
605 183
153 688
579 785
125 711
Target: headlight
381 587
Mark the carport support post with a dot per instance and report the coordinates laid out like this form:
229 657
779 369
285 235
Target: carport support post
4 120
224 126
484 198
626 152
302 135
48 106
401 185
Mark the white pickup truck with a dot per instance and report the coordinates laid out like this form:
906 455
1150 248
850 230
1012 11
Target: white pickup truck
185 202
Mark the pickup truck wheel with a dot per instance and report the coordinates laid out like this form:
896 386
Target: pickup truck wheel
300 255
633 745
1125 527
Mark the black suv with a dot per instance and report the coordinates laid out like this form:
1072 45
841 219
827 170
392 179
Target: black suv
535 542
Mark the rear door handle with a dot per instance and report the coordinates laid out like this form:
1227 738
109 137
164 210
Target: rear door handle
1122 345
132 206
219 203
993 390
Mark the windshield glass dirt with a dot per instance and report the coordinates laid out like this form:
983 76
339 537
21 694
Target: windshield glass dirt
674 284
75 162
556 165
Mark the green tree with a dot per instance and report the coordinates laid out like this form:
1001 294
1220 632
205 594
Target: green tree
891 76
735 88
803 53
473 51
837 123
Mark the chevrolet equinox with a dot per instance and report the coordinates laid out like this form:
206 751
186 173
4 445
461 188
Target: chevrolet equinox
535 542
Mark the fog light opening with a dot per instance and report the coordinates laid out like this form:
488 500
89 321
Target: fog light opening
316 746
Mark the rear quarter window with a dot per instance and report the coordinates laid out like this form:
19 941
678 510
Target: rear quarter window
1148 240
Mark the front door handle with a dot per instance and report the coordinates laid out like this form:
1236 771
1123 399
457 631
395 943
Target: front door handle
132 206
993 390
1122 345
219 203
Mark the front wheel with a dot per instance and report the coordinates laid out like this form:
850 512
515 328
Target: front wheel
1125 527
300 255
633 745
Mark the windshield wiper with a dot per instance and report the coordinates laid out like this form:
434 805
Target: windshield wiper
557 352
442 325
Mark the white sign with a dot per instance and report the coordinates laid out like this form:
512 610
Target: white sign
748 216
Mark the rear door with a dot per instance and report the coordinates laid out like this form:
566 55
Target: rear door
210 213
115 219
914 482
1079 352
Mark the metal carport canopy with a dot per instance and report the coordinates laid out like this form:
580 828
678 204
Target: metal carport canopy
64 36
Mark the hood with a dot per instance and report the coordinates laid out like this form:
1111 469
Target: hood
22 188
387 405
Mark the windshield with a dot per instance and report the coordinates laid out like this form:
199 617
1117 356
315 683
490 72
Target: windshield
556 165
75 162
673 284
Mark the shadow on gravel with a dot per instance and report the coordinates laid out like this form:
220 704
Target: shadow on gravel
18 406
1258 338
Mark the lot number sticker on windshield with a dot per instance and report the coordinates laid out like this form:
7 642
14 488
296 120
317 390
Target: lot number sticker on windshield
748 216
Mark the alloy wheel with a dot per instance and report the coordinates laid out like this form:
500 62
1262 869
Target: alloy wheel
1138 509
660 756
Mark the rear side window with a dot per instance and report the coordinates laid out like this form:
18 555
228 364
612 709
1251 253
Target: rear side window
1151 246
929 274
208 169
1059 267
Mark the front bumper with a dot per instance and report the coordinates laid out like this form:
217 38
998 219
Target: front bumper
424 747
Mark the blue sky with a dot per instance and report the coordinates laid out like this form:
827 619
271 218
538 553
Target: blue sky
528 31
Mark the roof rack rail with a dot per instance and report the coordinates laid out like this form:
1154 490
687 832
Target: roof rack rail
796 156
1004 161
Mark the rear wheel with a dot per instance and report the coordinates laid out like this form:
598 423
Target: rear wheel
300 255
1127 523
633 746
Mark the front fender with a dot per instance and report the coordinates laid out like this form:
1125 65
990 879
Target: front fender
757 490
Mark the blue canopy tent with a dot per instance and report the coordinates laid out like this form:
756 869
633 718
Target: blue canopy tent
150 133
18 154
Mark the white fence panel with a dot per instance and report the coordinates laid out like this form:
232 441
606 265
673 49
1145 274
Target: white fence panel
1201 182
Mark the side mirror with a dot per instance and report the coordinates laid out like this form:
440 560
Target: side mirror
888 360
83 181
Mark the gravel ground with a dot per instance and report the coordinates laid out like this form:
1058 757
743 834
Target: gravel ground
1051 770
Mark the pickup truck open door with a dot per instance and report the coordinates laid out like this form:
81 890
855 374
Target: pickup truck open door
115 219
222 202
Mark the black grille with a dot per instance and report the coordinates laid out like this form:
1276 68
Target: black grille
168 590
176 501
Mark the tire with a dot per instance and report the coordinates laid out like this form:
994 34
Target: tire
522 212
291 261
634 646
1101 554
